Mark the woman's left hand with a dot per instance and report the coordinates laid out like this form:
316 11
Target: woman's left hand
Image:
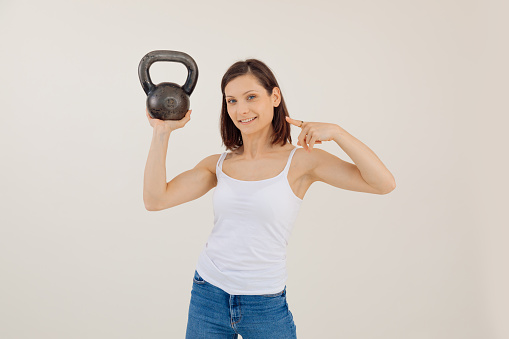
314 132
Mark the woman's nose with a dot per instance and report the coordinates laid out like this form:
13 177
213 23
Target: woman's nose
242 108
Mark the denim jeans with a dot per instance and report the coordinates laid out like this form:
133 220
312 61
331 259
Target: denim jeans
215 314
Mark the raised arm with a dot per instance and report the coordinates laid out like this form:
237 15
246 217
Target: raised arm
159 194
185 187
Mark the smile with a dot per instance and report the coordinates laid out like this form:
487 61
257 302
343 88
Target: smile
247 121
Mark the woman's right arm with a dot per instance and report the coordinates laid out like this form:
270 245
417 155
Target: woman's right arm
187 186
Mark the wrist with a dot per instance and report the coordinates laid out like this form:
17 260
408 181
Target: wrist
340 133
161 133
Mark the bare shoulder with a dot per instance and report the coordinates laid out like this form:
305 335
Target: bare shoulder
305 161
311 164
300 176
314 157
319 158
210 162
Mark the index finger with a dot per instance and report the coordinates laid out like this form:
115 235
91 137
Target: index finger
294 122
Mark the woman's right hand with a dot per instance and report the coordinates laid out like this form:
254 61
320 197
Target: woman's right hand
167 126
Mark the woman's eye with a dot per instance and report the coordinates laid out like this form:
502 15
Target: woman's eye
231 100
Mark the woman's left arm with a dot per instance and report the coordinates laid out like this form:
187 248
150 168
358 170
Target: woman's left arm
370 168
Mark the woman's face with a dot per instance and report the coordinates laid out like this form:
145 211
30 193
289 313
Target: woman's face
246 99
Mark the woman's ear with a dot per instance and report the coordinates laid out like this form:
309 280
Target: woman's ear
276 95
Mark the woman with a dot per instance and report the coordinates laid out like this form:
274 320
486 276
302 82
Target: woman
239 282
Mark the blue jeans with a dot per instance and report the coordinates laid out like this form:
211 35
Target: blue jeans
215 314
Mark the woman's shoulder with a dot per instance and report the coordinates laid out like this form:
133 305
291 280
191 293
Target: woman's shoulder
210 162
308 162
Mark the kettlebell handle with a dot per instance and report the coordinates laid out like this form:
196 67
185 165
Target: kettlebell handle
164 55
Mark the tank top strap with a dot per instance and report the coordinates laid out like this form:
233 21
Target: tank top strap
221 159
287 167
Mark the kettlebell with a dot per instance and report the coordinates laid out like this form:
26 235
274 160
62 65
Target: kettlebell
167 100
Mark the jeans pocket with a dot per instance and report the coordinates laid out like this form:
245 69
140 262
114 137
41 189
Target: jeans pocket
278 294
197 278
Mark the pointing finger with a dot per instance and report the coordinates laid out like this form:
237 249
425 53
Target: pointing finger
297 123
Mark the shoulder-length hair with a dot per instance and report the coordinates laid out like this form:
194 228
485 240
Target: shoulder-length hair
231 135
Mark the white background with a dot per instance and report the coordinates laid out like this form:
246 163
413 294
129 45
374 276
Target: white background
422 83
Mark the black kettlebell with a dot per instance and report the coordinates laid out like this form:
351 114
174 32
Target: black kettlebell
167 100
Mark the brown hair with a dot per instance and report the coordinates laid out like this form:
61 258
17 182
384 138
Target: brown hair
231 135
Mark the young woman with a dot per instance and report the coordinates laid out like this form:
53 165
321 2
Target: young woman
239 285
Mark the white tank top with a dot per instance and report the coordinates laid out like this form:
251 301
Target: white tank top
246 251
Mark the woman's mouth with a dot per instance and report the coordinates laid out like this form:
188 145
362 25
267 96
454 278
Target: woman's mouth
247 121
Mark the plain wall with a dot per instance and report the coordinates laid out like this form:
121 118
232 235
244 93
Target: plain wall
422 83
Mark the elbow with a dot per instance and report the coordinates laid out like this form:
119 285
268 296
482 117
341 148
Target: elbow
150 206
390 188
150 202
